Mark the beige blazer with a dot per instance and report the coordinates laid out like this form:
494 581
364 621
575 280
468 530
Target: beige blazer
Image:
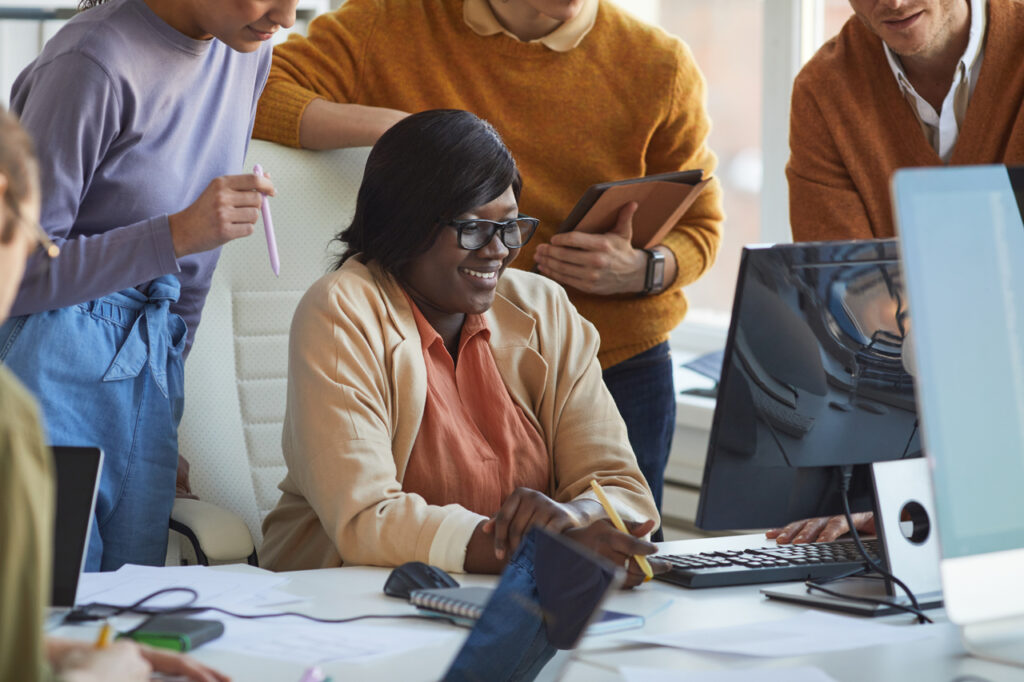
356 388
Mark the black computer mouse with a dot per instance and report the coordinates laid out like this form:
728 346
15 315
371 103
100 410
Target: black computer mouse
416 575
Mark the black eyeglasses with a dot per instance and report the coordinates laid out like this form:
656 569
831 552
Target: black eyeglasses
477 233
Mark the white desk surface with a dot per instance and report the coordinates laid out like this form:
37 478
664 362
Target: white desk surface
353 591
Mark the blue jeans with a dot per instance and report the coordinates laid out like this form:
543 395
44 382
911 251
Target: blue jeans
109 373
645 395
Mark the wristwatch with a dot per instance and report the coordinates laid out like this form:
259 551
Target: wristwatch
655 277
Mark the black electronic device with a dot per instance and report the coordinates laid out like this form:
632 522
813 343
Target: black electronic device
78 474
813 379
416 575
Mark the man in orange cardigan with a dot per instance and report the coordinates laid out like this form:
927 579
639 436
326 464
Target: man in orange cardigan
582 92
905 83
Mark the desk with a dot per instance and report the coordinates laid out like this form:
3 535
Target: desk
353 591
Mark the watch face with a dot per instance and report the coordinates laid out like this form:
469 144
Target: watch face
655 272
658 274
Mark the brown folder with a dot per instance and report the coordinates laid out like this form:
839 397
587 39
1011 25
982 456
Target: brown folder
662 199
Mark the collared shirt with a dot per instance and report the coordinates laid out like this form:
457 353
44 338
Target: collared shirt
475 445
481 19
943 128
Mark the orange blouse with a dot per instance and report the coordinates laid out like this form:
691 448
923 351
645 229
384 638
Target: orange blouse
475 445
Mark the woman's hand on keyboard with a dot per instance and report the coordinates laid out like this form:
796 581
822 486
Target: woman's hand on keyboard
821 529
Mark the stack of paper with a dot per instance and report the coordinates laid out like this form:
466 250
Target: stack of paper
284 638
303 641
225 589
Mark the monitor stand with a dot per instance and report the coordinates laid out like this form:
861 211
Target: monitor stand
908 543
1000 640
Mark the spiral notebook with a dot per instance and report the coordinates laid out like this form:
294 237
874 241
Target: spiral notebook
464 605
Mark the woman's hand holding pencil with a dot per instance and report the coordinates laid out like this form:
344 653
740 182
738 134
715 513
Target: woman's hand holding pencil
622 543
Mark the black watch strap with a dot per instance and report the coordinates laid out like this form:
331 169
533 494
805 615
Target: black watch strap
654 279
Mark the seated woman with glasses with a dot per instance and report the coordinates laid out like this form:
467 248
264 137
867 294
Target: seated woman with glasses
440 404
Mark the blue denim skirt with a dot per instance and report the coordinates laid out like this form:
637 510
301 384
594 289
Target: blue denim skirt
109 373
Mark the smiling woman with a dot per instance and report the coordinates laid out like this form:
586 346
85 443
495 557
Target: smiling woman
440 404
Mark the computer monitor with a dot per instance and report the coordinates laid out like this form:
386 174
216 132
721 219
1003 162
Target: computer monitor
963 240
813 378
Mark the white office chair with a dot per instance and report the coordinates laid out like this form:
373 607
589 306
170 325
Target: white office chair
236 375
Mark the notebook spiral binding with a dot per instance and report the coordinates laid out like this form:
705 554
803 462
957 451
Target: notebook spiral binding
448 604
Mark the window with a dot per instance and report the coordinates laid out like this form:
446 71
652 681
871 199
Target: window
749 51
836 14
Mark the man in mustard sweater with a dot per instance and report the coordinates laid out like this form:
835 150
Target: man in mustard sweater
905 83
582 93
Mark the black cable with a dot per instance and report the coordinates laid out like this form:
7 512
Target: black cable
862 573
847 474
190 607
911 439
859 572
811 585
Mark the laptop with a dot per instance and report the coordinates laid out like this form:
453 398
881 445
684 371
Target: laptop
78 475
962 238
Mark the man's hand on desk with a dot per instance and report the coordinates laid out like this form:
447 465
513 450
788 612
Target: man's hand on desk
602 537
821 529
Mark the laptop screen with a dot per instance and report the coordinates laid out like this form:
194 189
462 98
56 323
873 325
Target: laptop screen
962 247
77 477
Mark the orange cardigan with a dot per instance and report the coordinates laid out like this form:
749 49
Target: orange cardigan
851 127
628 101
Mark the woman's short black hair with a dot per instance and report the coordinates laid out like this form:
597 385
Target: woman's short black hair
425 170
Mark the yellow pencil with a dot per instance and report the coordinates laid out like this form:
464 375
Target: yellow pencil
106 636
617 522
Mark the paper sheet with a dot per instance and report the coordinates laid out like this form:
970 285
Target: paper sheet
287 638
302 641
226 589
808 633
801 674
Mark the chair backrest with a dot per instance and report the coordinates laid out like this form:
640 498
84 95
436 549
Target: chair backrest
236 374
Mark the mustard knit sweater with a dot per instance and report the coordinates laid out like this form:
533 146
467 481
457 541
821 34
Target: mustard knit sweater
628 101
851 127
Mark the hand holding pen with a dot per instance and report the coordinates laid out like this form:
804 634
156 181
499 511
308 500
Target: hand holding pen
620 542
227 209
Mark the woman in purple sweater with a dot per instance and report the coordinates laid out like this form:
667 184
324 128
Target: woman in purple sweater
142 111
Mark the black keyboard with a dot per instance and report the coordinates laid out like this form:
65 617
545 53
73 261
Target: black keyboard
766 565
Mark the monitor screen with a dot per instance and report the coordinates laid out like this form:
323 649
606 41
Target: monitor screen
970 300
78 471
813 378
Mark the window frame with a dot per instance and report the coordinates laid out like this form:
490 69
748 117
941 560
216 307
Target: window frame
793 31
